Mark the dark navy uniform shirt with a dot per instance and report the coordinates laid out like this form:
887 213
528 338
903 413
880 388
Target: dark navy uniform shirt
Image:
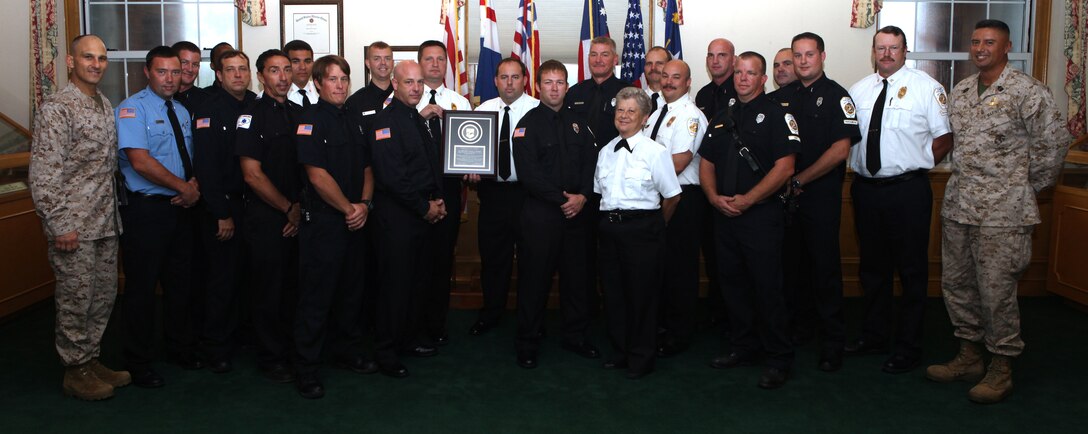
825 114
333 139
554 153
193 98
596 104
764 128
214 161
712 97
406 163
269 137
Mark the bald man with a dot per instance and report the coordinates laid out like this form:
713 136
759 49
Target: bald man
407 212
716 95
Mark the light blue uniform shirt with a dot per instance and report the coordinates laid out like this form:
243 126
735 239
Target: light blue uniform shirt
142 123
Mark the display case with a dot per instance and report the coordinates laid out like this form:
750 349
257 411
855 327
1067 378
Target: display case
27 277
1067 274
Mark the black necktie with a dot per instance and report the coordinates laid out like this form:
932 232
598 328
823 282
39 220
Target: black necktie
653 102
657 125
872 145
504 145
305 99
179 139
622 145
434 125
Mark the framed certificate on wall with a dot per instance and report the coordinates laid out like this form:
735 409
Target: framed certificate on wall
318 22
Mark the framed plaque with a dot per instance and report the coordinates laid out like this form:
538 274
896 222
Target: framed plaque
471 143
318 22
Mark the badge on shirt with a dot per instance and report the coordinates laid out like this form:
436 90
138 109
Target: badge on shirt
819 101
848 107
902 92
203 123
382 134
732 101
126 113
304 130
574 126
520 132
693 126
613 102
244 121
671 120
453 106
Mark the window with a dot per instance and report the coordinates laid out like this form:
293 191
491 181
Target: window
939 33
130 28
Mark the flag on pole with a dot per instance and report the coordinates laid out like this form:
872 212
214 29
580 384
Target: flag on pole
453 19
674 18
594 24
489 53
634 46
527 43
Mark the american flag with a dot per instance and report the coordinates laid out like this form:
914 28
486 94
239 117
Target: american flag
304 130
453 21
126 113
527 43
382 134
634 46
594 24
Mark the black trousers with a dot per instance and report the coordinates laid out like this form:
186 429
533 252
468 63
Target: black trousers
274 270
498 236
816 266
550 242
404 275
893 233
435 302
632 266
750 271
222 290
680 291
330 299
157 247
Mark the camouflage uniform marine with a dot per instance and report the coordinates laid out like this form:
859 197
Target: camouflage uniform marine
1010 144
72 162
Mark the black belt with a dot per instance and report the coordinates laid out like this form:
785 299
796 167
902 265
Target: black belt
624 215
150 196
891 179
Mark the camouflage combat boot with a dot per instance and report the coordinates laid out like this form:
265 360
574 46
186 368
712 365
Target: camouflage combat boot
996 385
966 366
111 377
81 383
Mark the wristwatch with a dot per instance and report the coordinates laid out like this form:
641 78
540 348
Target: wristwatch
369 204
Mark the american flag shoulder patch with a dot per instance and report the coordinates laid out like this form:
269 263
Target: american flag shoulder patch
126 113
203 123
382 134
520 132
304 130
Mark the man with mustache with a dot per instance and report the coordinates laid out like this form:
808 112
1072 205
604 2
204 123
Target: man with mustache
903 115
655 60
220 218
265 145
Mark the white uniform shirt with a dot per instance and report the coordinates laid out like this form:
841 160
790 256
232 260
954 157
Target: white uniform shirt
447 99
294 96
681 131
915 113
522 105
635 180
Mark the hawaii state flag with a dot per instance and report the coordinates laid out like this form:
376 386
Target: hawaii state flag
453 20
674 18
527 43
634 46
489 54
594 24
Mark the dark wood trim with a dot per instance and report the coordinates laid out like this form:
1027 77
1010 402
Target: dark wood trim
1041 40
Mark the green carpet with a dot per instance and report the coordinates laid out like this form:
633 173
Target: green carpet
474 386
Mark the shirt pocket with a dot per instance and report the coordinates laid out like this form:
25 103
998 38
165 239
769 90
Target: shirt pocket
637 178
161 143
899 113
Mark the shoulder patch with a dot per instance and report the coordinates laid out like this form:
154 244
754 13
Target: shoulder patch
203 123
942 99
304 130
520 132
792 123
848 107
693 126
126 113
244 121
382 134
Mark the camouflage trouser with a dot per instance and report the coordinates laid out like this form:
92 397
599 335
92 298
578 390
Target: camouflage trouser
85 292
981 268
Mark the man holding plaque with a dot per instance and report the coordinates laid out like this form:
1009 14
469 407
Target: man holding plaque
408 212
501 198
556 155
433 102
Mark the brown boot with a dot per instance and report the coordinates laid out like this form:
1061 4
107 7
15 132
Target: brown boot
996 385
111 377
966 366
81 383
